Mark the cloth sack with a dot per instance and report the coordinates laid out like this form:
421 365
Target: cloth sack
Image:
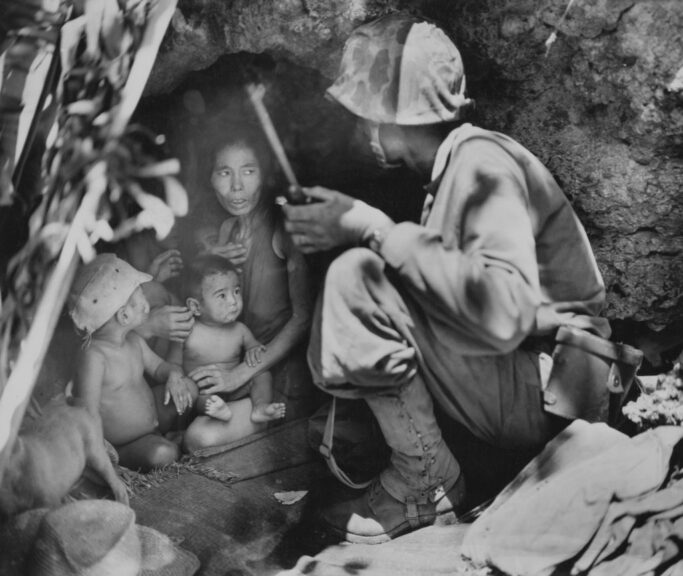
553 508
89 538
590 376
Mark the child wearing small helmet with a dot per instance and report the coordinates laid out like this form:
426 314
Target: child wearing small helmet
107 304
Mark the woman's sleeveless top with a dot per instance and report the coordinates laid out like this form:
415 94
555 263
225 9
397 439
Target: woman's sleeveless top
265 287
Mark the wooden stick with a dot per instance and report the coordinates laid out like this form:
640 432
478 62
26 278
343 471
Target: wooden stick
256 93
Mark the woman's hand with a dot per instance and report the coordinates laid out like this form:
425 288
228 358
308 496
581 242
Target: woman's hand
212 379
335 219
178 388
236 253
171 322
252 357
166 265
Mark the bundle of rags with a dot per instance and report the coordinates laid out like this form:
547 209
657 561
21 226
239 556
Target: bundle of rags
593 502
93 537
50 455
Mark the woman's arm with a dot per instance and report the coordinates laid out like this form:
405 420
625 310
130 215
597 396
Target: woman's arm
213 379
303 300
253 349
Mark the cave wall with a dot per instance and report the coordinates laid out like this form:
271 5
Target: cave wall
602 106
604 111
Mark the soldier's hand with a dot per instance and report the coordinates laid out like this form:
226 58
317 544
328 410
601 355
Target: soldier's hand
333 219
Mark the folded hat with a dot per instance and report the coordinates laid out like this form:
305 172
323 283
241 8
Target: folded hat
101 538
100 288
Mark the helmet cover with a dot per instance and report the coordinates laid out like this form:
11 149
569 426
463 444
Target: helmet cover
399 69
100 288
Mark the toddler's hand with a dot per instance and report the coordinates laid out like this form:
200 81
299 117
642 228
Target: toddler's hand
178 388
166 265
253 355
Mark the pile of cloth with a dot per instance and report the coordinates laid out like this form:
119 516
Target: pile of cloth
88 538
595 502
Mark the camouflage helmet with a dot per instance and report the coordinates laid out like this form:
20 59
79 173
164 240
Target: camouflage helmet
399 69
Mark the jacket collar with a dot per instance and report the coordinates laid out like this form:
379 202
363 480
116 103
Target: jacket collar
440 162
442 154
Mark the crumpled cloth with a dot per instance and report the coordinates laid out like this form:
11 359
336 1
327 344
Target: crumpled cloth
557 504
659 516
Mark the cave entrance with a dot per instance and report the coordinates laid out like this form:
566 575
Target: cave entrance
321 139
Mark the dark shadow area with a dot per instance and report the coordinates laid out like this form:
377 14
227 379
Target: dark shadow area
661 349
488 469
309 537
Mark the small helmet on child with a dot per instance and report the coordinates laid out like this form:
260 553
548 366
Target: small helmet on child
100 288
399 69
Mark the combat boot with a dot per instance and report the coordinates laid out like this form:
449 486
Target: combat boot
422 483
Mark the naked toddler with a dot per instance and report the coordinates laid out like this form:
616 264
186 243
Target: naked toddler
107 304
213 290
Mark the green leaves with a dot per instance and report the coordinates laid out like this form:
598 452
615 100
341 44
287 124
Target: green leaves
101 179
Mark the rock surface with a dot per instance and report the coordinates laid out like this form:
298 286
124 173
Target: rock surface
601 105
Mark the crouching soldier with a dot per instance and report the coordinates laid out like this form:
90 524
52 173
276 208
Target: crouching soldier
441 311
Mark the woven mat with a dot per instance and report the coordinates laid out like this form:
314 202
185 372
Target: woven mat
235 526
279 448
137 482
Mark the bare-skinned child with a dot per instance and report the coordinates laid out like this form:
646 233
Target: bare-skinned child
213 289
107 304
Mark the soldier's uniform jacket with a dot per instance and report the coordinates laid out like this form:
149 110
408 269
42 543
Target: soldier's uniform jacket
500 256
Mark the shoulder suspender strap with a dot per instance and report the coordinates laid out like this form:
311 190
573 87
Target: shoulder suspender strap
326 451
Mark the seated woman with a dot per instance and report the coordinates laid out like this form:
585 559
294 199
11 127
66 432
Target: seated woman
276 285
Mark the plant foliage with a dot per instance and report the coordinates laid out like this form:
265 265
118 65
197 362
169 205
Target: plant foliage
98 173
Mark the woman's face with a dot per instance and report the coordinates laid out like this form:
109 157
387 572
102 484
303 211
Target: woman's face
236 179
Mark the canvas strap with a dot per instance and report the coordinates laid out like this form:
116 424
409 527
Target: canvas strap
326 451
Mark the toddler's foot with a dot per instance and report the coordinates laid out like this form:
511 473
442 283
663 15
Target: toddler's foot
217 408
268 412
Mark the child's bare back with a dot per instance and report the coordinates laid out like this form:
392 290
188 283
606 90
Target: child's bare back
127 403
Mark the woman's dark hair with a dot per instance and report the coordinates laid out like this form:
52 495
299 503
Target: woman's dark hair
224 132
202 267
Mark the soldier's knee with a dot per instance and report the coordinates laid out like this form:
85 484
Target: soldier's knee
353 265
